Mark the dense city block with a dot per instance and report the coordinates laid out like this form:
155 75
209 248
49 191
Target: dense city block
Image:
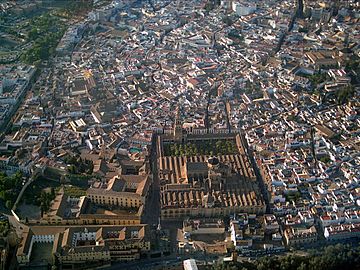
179 134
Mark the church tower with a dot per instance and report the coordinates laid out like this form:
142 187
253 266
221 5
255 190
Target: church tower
178 130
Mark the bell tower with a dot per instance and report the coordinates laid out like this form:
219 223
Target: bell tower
178 130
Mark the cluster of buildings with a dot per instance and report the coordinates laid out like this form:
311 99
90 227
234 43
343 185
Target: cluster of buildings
256 235
138 89
15 81
106 225
79 245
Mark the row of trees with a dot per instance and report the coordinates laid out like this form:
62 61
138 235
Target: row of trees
10 187
4 227
331 258
222 147
45 200
74 191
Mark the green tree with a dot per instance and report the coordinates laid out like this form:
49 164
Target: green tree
33 34
8 204
71 169
345 94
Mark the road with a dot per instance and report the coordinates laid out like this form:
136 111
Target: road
260 180
168 261
152 207
144 264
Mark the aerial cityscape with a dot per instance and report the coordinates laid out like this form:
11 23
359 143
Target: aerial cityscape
180 134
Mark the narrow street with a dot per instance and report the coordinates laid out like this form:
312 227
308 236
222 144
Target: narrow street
152 210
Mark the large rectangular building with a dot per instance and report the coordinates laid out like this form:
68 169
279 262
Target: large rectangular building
77 245
196 184
123 190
